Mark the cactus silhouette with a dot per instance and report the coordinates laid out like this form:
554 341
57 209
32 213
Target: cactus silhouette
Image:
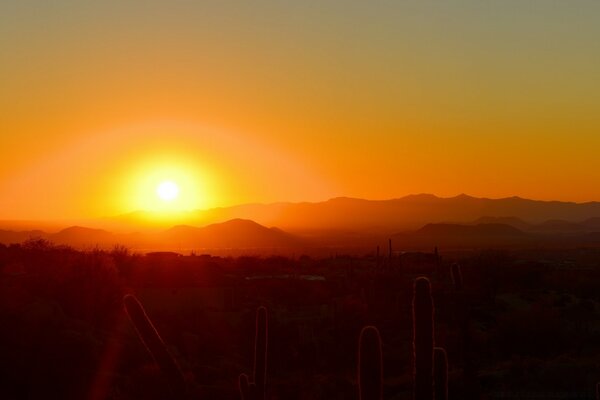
255 390
456 274
430 363
370 367
155 345
440 373
423 339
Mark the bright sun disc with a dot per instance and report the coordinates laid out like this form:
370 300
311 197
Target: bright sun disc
167 190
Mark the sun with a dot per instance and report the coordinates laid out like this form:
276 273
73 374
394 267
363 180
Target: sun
167 190
166 186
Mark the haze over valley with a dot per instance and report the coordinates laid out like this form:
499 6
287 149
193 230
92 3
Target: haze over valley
413 222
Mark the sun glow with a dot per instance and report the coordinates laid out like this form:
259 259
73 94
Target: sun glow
167 190
167 184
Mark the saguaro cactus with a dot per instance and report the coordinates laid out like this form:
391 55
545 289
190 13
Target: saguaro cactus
255 389
370 366
456 274
440 373
423 339
155 345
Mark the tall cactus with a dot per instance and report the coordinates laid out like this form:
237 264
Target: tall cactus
430 363
255 390
423 339
440 373
370 366
155 345
456 275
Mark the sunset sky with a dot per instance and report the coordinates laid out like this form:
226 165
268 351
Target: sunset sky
265 101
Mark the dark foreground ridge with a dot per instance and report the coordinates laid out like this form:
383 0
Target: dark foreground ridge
423 325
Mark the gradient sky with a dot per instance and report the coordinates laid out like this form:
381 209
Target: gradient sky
262 101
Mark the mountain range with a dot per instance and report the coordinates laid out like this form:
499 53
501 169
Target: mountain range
415 221
406 213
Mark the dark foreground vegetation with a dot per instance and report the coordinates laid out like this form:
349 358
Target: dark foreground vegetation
508 325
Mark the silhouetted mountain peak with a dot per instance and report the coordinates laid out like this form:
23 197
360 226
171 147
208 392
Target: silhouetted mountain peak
235 233
78 235
238 224
241 222
342 200
464 196
420 197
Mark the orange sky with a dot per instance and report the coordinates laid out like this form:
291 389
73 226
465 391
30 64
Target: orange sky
272 101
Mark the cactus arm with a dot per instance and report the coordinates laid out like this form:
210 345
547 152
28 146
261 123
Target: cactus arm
155 345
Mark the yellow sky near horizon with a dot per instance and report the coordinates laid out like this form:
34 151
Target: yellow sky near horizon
279 101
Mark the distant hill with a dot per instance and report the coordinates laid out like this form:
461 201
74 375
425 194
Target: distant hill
236 233
555 233
560 226
78 236
511 221
450 236
550 226
497 230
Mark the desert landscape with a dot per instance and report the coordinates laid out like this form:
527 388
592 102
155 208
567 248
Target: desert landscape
299 200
